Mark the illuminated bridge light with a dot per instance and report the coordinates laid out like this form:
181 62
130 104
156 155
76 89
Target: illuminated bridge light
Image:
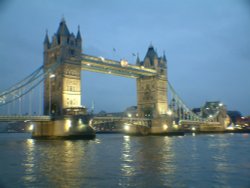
31 127
126 127
165 127
68 124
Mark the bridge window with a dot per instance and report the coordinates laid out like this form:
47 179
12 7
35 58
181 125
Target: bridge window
71 52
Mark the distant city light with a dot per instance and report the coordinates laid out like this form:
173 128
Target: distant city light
230 128
129 115
193 128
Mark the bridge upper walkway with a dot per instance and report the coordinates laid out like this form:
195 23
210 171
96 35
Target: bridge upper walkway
107 66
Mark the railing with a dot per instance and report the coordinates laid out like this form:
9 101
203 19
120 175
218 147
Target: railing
121 118
131 121
24 118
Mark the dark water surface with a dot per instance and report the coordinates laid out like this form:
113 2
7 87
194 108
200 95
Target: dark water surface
115 160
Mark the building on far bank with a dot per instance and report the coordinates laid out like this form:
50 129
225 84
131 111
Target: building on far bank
243 122
234 115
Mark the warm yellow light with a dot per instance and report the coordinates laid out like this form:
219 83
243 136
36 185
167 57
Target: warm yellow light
68 124
165 127
126 128
31 127
129 115
193 128
124 63
81 126
175 126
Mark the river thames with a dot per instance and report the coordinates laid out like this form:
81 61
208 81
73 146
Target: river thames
116 160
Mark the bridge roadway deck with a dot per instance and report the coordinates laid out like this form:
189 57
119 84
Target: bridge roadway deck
191 122
24 118
137 121
121 118
107 66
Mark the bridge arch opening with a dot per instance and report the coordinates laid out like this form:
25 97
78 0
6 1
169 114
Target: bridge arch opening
112 93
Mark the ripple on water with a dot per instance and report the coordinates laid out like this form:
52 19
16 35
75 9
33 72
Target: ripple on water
124 161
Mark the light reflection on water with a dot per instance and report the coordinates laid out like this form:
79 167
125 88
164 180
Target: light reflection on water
124 161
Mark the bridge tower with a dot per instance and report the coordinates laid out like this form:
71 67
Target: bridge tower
152 90
62 89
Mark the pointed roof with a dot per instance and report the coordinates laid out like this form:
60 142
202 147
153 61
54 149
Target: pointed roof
164 56
78 36
63 29
151 54
46 39
138 60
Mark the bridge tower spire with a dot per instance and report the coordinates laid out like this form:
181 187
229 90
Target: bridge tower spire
62 89
152 90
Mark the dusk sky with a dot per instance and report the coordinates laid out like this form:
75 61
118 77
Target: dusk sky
207 45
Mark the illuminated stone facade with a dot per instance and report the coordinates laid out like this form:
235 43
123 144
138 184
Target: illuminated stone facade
62 89
152 91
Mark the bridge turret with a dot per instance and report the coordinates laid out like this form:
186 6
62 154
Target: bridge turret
138 62
46 42
151 58
63 89
79 38
152 61
152 90
63 33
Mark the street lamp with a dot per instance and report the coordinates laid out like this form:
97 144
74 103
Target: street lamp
50 96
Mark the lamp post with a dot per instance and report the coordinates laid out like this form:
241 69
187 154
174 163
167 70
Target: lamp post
50 96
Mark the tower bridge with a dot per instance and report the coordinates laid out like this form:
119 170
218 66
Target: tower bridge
61 78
